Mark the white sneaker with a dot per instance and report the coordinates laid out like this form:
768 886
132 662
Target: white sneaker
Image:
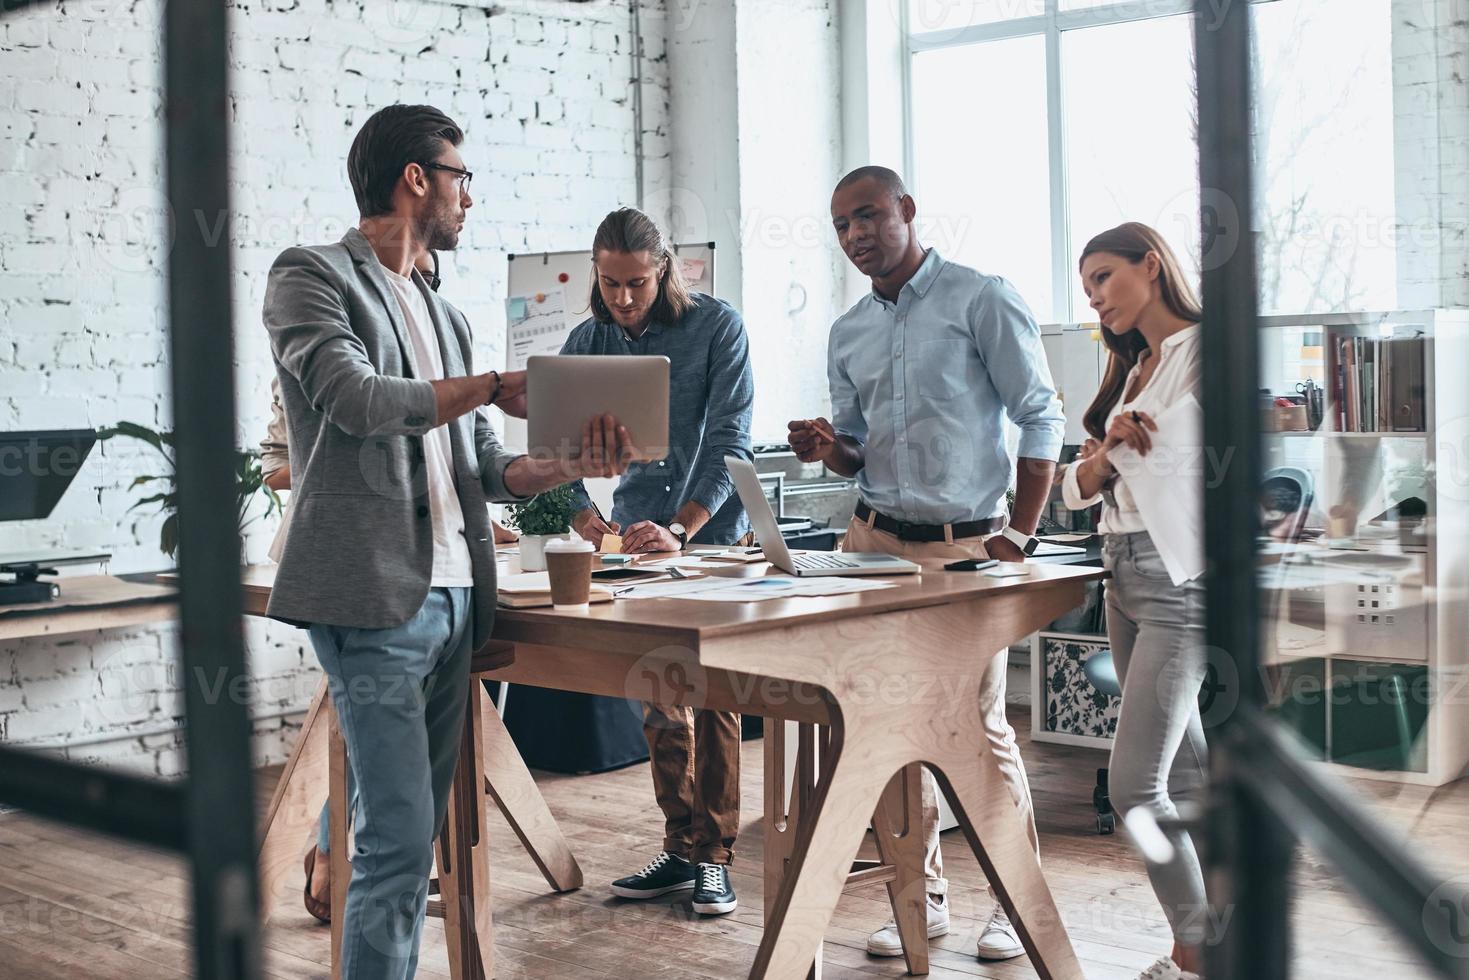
885 941
1166 969
998 941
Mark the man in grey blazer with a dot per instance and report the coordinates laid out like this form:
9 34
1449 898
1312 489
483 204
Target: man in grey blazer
390 561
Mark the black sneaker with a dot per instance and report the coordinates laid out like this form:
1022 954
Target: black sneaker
665 873
714 894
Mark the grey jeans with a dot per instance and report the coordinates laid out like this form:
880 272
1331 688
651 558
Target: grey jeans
1156 630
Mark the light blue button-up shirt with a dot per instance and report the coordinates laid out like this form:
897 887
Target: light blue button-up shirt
926 385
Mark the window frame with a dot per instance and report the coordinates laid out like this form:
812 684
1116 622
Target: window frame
1052 24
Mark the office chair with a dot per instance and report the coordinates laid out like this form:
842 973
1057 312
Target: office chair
1286 495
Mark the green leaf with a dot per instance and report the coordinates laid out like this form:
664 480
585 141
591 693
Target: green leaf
545 513
168 536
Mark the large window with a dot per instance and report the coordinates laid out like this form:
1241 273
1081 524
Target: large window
1036 124
987 199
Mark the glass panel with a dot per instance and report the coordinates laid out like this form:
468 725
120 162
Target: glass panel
1131 156
943 15
1326 210
981 161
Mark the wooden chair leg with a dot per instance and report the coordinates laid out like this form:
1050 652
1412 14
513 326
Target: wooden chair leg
337 803
976 791
296 804
514 791
897 826
463 852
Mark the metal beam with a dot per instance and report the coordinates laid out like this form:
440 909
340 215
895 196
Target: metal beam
220 801
1248 850
130 807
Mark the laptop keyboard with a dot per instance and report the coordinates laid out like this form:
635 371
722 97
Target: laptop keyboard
823 560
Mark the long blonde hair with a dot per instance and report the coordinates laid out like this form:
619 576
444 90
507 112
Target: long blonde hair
630 230
1133 241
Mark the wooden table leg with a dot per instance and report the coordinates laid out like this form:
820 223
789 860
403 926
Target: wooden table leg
515 793
340 859
783 813
897 826
296 805
981 800
464 858
828 837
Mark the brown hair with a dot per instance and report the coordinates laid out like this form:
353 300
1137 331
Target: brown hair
391 139
630 230
1133 241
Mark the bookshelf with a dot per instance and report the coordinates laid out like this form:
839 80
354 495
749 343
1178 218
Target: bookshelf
1367 615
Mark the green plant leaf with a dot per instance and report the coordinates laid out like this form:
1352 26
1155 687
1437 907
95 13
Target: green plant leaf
168 536
545 513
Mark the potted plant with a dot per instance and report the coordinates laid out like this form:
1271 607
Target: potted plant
249 482
543 517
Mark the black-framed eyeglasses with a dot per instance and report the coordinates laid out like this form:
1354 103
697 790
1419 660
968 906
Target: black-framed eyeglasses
464 175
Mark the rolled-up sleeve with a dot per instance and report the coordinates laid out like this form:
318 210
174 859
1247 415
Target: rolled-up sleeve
729 415
1071 490
846 405
275 448
1009 340
312 339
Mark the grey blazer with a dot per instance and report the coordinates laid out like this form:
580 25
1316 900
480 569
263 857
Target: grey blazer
360 551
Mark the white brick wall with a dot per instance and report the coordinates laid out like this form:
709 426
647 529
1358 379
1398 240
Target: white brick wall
542 92
1431 149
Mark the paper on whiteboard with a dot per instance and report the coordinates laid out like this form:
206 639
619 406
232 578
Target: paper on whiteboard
694 274
1168 486
537 326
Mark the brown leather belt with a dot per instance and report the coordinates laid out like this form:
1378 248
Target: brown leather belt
905 531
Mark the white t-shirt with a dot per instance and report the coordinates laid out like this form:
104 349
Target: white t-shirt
1176 375
452 565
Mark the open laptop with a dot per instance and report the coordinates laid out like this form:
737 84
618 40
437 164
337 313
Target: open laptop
767 531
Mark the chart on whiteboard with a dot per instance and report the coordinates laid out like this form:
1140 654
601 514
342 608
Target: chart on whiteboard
537 326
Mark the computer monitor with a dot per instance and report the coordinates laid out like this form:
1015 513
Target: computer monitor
37 467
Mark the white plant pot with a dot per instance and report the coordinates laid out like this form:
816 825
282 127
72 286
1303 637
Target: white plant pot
533 550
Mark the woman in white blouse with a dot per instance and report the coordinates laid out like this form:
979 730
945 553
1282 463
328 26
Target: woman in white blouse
1150 324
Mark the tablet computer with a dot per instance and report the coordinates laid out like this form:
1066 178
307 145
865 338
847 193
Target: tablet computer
563 391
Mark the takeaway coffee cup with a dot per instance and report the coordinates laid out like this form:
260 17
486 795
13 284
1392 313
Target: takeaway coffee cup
569 564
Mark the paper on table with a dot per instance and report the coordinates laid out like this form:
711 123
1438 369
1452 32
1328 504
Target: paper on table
1167 484
525 582
776 587
611 544
678 588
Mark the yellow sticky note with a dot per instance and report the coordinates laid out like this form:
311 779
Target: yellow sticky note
611 544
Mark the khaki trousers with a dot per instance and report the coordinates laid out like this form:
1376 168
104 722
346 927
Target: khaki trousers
1000 735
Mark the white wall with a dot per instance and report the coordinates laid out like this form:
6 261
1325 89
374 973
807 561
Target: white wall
1430 49
542 91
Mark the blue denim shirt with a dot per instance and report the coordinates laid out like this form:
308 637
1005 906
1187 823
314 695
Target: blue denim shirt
927 384
711 402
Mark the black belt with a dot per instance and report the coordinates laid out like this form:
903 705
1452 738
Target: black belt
928 532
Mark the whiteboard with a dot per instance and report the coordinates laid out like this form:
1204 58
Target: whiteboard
542 275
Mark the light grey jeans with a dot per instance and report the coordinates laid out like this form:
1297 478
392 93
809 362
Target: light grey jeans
1156 630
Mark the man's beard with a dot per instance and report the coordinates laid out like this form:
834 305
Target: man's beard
439 229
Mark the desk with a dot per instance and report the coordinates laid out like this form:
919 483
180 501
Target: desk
91 602
883 680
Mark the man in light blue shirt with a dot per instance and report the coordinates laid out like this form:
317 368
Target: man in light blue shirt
924 372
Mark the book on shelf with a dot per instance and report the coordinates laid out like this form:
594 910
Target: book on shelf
1377 384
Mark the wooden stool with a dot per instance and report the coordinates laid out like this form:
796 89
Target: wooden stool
462 849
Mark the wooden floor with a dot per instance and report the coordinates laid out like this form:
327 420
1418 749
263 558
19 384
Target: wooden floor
75 905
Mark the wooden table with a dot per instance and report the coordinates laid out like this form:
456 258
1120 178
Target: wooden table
879 681
90 602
